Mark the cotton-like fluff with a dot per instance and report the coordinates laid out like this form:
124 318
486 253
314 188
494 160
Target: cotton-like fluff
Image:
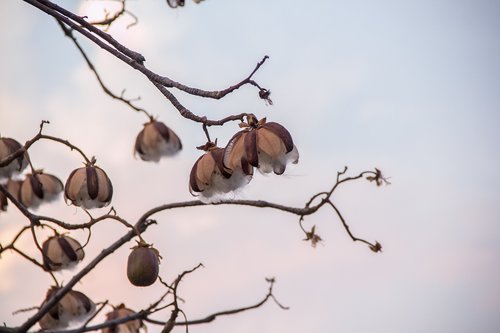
131 326
61 252
156 140
211 182
73 307
38 188
89 187
7 147
267 146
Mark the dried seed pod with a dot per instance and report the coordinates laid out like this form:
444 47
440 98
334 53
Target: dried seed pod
132 326
74 306
7 147
155 141
88 187
61 252
39 187
211 181
267 146
143 265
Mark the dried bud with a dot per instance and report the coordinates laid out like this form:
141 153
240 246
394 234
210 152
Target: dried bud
89 187
7 147
211 181
156 140
313 237
61 252
132 326
143 265
39 187
74 306
266 146
175 3
376 248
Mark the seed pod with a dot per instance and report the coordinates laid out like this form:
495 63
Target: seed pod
211 181
88 187
61 252
74 306
143 265
132 326
7 147
38 188
156 140
266 146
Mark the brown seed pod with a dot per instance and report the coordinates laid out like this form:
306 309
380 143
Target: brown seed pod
211 181
61 252
39 187
267 146
89 187
143 265
14 187
7 147
132 326
155 141
74 306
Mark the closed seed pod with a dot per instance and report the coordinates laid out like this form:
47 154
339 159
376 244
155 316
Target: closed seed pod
38 188
267 146
88 187
74 306
156 140
7 147
211 181
61 252
143 265
132 326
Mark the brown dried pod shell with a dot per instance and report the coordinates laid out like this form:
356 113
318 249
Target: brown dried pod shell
143 265
88 187
74 306
3 202
61 252
155 141
39 187
132 326
7 147
267 146
14 187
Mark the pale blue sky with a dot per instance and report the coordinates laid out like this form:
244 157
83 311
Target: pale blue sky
411 87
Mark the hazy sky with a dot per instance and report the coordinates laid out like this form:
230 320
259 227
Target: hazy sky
410 87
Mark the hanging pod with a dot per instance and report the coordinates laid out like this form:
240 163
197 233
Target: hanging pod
211 181
61 252
89 187
7 147
74 306
37 188
267 146
143 265
132 326
156 140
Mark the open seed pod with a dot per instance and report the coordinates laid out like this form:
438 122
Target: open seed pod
7 147
89 187
211 181
61 252
74 306
267 146
132 326
39 187
143 265
156 140
14 187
